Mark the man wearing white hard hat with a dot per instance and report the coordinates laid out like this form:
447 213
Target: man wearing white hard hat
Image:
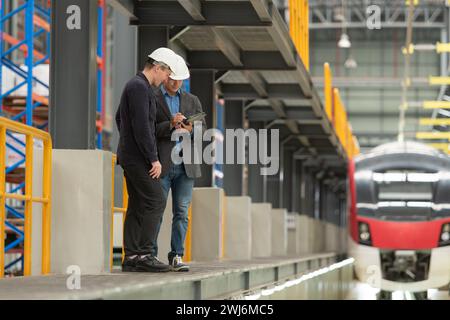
138 156
174 106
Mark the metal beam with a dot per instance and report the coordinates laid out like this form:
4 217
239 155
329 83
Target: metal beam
255 180
220 75
177 31
302 114
233 182
278 107
248 60
216 13
194 8
261 8
124 7
371 82
280 35
73 98
149 39
203 86
394 14
274 91
256 82
292 125
226 45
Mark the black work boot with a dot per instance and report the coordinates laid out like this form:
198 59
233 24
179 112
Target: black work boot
151 264
129 264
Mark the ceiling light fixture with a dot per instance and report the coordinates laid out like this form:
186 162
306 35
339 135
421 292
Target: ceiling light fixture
351 63
344 42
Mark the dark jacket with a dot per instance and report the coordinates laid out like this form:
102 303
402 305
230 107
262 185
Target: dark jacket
189 105
135 120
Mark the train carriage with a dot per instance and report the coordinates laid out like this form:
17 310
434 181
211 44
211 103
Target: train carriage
400 217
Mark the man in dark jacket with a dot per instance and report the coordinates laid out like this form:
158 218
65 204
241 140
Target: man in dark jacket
137 154
175 105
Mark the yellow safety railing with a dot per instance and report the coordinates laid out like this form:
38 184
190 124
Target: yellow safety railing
224 219
340 118
328 91
188 241
299 28
30 133
434 122
336 113
436 104
123 210
433 135
438 81
117 210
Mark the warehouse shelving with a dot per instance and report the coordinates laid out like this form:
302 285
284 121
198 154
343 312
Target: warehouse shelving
24 60
22 100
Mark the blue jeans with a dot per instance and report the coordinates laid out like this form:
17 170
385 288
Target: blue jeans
182 186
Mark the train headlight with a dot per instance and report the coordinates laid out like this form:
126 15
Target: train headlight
364 234
444 239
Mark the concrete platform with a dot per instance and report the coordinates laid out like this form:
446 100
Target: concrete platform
261 230
205 281
238 228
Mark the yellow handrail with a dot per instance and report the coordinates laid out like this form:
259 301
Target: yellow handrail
328 91
336 113
224 220
115 210
30 133
188 239
299 28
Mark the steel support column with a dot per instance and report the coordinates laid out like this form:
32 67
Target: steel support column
287 194
342 202
203 86
274 185
308 192
73 74
256 182
326 203
317 187
124 68
296 184
149 39
234 173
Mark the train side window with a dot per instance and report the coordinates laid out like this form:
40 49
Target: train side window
367 195
441 197
442 191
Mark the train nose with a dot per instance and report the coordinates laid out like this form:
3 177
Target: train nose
403 263
405 266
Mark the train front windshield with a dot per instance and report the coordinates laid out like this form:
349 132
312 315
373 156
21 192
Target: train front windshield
401 195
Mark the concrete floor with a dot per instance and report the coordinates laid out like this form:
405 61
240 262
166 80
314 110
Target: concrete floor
135 285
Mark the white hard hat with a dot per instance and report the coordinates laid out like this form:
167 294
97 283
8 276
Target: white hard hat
166 56
181 71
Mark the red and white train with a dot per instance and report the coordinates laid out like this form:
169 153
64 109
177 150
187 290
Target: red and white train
399 218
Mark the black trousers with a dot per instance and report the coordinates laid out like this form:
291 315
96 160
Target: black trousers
146 204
